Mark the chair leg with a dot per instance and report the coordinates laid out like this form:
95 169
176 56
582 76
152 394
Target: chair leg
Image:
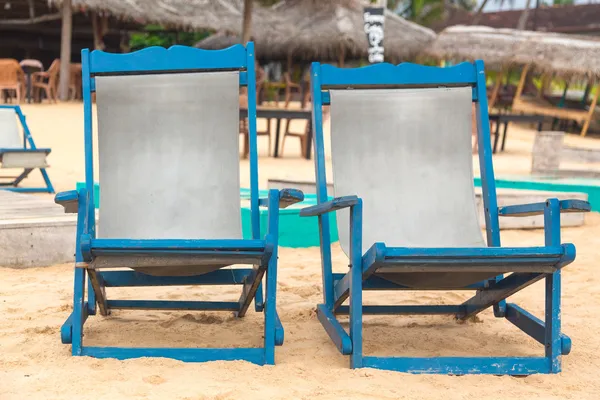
552 322
269 150
78 296
285 133
246 144
303 139
91 303
288 95
356 358
49 186
282 144
270 308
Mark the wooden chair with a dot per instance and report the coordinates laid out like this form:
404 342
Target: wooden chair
19 152
261 77
47 82
12 78
277 87
290 88
148 220
244 128
407 231
75 83
260 81
303 136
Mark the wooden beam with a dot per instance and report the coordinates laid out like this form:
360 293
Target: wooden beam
99 29
31 21
586 125
522 82
65 50
496 89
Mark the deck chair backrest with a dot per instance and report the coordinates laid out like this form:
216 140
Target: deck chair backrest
10 138
406 151
407 154
168 146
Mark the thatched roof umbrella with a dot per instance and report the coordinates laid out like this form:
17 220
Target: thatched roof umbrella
568 56
334 30
495 47
226 15
565 55
218 41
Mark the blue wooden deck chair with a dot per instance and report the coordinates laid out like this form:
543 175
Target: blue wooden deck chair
19 152
168 146
402 174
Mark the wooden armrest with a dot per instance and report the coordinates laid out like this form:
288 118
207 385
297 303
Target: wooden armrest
333 205
69 200
287 197
526 210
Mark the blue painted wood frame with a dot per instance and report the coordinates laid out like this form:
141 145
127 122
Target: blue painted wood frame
152 61
493 292
28 145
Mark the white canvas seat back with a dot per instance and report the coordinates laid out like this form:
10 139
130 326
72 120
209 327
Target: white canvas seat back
168 153
10 138
407 154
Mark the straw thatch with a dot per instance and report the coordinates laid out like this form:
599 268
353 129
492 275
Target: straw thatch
461 43
569 56
317 29
215 15
218 41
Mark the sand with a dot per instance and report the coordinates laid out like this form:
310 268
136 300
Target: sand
35 302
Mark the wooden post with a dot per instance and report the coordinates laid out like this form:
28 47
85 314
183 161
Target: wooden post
99 29
65 50
586 125
496 89
247 24
342 56
521 82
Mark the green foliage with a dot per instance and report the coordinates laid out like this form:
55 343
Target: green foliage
426 12
155 35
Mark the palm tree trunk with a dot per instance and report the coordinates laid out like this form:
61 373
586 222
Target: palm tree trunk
477 17
524 17
247 21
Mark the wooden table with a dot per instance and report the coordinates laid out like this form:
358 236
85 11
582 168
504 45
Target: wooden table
283 113
505 119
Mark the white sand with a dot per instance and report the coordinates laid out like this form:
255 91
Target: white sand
35 302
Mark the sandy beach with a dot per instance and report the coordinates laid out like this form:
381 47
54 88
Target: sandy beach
35 302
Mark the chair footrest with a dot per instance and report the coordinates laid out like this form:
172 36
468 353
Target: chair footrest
173 257
488 259
446 268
